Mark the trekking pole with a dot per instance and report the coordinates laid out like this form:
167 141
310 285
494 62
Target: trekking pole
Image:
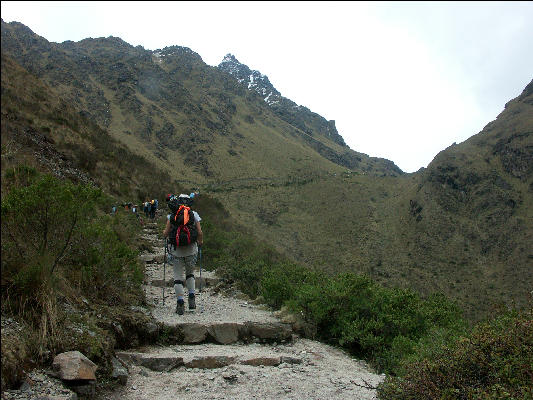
200 262
164 271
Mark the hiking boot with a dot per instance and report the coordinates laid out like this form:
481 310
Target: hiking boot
192 301
180 307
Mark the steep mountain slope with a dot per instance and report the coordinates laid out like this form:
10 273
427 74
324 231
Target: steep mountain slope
473 210
320 134
42 130
173 109
462 226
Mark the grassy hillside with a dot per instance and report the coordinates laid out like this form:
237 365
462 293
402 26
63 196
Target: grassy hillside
476 201
462 226
42 130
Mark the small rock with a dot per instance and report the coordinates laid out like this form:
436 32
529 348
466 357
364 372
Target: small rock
119 373
25 386
86 390
118 329
230 377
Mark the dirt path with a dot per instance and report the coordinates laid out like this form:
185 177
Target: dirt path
232 349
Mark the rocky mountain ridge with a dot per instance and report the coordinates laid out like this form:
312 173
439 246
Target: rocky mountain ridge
286 109
254 80
157 101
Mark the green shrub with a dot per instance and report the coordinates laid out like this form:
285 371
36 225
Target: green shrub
58 246
40 224
21 175
495 361
236 256
280 282
103 264
380 324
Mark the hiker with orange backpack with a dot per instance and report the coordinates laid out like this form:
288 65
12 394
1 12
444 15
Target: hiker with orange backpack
184 237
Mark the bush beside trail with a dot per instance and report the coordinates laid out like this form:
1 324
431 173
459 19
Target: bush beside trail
64 262
494 361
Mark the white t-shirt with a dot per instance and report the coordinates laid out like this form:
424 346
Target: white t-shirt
184 251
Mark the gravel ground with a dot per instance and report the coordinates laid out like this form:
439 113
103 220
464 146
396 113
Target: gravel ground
39 385
323 372
210 306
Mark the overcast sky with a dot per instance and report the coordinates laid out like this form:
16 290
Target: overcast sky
402 80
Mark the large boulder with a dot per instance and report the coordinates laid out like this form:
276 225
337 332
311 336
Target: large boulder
74 366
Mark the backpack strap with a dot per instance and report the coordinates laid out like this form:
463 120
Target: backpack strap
185 214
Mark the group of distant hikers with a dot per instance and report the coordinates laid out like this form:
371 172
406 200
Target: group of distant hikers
183 242
149 209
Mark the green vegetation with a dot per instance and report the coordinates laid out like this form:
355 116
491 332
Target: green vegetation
61 253
494 361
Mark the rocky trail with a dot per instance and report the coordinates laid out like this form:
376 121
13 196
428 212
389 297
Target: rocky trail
232 349
228 348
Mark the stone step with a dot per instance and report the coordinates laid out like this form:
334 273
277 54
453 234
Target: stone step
225 332
151 237
207 357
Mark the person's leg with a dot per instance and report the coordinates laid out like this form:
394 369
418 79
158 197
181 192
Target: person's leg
179 267
190 263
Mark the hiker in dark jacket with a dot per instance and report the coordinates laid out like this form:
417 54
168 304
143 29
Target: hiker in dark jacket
183 260
152 209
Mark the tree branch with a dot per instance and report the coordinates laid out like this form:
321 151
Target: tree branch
66 243
365 386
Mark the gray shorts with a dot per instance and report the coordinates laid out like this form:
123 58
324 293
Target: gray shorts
183 266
